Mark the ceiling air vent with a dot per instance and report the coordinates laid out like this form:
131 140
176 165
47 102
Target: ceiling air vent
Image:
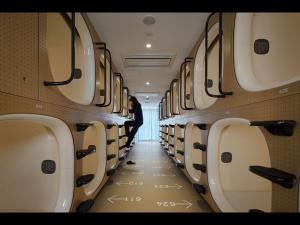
148 60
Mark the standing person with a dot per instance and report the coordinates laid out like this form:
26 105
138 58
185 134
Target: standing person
136 109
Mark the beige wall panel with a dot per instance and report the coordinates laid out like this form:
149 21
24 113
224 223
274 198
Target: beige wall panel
19 54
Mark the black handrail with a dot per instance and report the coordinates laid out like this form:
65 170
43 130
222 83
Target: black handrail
121 92
186 60
180 85
75 73
106 51
166 97
207 49
126 88
163 108
171 96
103 44
68 21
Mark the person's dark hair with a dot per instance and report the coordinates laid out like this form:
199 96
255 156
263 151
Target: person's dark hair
134 101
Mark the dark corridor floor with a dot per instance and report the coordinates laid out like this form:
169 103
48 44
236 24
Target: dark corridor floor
154 184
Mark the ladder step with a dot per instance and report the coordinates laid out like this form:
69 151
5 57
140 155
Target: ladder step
110 141
110 172
255 211
84 179
180 139
197 145
111 156
109 126
277 176
200 167
180 165
121 147
85 206
82 126
201 126
180 152
199 188
84 152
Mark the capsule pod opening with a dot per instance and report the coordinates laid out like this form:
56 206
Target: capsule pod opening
40 149
233 146
58 45
94 163
266 50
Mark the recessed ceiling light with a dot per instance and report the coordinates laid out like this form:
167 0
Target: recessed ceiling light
149 20
148 45
147 83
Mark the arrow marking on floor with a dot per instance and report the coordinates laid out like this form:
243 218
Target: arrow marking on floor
131 183
161 167
164 175
132 173
114 198
176 186
185 202
173 204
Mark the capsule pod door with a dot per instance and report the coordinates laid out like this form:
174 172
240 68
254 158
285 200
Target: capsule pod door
234 146
266 49
37 161
70 53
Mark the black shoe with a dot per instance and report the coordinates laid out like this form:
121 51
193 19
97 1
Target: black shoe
130 162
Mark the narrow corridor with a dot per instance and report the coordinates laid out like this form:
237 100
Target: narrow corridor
154 184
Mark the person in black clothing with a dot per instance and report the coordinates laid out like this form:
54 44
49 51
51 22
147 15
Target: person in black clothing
136 109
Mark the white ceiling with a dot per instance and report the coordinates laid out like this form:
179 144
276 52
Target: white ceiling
125 33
